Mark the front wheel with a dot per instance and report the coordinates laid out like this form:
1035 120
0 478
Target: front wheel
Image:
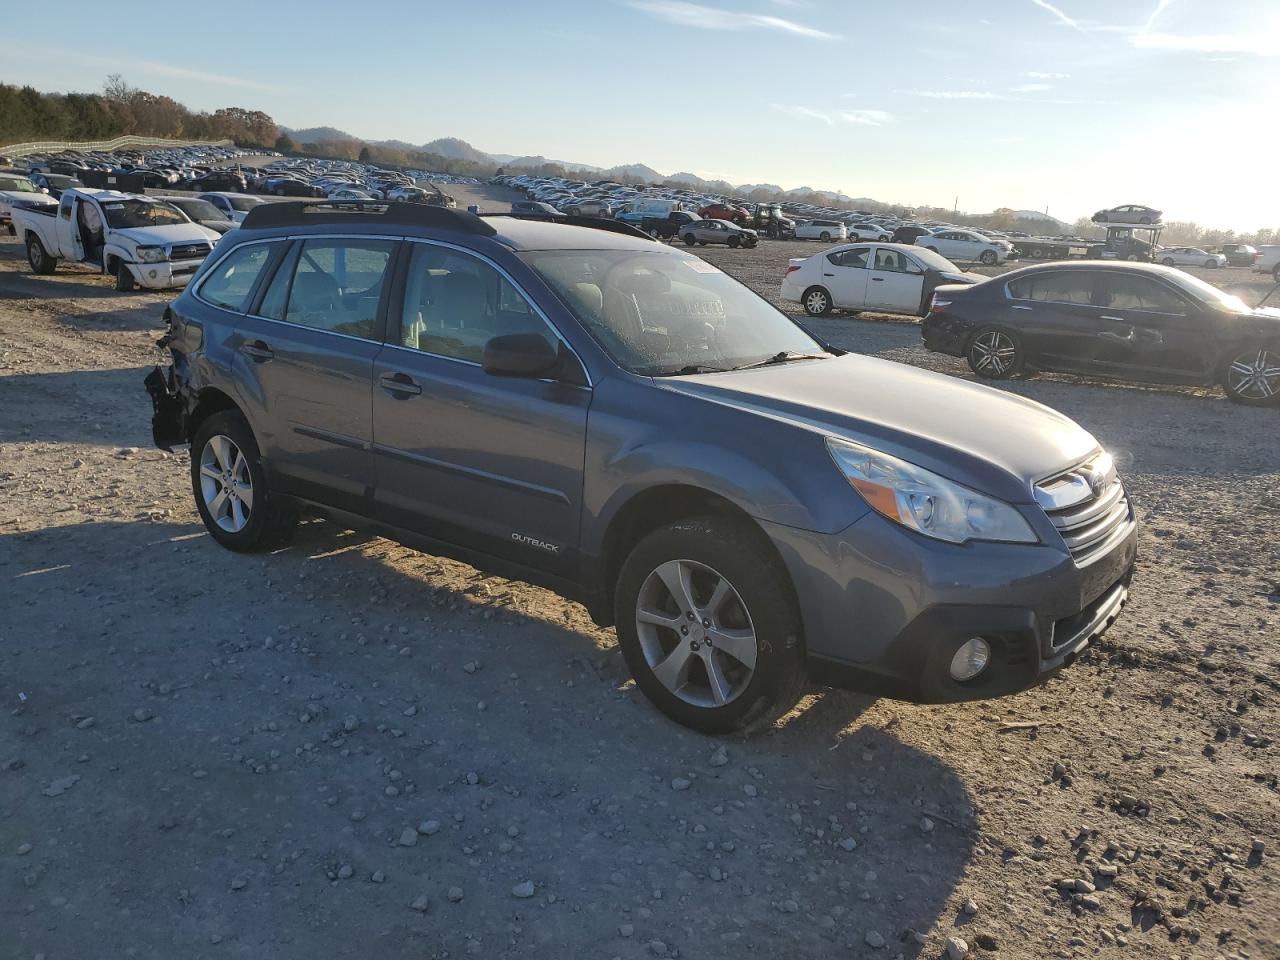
934 249
1211 263
824 237
690 239
124 279
988 257
1252 377
709 625
230 486
995 354
734 241
1167 261
39 258
817 302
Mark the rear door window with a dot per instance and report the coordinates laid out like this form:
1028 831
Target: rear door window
332 284
231 283
1127 292
1074 286
850 258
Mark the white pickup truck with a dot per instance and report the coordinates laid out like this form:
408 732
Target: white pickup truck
141 241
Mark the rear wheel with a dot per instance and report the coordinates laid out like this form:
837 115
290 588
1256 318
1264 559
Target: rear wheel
39 258
124 279
825 236
1252 377
934 249
988 257
690 239
995 354
709 625
1167 261
230 486
817 302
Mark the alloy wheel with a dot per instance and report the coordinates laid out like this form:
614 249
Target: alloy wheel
1255 376
994 353
226 484
695 633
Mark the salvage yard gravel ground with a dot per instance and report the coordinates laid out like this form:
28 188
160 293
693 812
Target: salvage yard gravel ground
346 748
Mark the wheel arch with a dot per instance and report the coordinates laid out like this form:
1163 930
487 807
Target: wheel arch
208 401
651 509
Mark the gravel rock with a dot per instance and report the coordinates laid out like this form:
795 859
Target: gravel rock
719 758
408 837
847 844
523 890
957 949
455 894
680 783
970 907
626 930
926 825
421 903
874 940
378 877
429 827
657 948
345 871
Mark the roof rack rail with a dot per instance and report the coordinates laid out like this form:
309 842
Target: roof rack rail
595 223
301 213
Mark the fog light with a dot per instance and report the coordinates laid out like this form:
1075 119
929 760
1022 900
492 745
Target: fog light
970 660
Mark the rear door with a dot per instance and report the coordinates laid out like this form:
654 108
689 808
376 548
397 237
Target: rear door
894 282
307 358
490 463
845 275
1056 316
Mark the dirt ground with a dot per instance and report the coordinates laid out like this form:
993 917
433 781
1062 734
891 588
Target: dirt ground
345 748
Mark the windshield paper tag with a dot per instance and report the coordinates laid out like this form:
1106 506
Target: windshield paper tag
701 266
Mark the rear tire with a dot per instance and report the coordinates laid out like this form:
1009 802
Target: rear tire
825 237
727 587
988 257
124 279
39 258
934 249
816 301
1167 261
225 459
995 354
690 239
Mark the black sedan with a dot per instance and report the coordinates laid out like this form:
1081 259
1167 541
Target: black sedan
216 180
1133 321
55 183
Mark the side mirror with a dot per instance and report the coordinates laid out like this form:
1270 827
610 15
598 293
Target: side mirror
520 355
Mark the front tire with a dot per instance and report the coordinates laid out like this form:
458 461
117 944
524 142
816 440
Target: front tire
817 302
988 257
825 237
124 279
230 486
709 625
690 239
995 354
1211 263
39 258
1252 377
734 242
1167 261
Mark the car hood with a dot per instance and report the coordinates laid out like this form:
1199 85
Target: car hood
995 442
170 233
23 196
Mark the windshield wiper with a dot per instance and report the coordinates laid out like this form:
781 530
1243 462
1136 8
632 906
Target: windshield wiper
786 356
691 369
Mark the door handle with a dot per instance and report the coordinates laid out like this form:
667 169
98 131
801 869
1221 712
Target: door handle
828 274
399 384
256 349
877 279
1017 307
1115 319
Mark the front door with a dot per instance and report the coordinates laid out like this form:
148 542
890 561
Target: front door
1151 331
1057 318
490 463
844 273
895 282
310 365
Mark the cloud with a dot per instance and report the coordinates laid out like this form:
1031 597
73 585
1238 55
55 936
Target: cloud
952 94
1261 45
862 118
866 118
713 18
1031 88
1058 14
1036 75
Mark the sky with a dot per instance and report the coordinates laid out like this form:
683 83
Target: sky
1064 105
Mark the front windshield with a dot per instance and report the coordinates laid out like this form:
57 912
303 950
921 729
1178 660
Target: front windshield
18 185
122 214
1207 292
243 204
199 209
660 314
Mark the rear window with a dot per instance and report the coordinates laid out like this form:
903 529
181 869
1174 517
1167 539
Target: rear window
1075 286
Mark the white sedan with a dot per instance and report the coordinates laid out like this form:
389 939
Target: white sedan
966 245
881 277
1189 257
868 231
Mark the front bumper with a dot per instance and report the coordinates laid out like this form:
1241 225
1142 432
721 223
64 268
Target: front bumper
165 274
885 610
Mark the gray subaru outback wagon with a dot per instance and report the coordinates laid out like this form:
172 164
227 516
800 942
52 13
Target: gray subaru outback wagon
572 404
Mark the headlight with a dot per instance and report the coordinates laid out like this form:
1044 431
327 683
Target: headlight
150 254
924 501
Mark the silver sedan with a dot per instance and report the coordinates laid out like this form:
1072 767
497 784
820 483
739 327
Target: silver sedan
718 231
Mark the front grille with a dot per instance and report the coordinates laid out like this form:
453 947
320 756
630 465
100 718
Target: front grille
189 251
1088 506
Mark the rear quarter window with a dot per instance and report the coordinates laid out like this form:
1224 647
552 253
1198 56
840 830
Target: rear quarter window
230 284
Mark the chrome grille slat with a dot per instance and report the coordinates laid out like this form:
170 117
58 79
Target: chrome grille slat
1089 525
